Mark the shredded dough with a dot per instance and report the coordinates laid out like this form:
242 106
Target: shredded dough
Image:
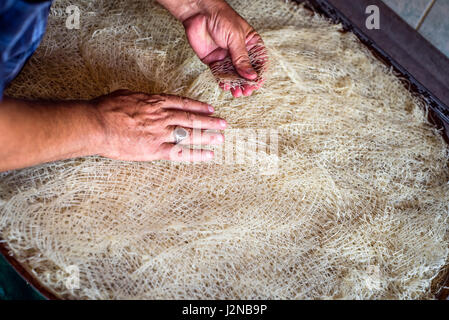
357 208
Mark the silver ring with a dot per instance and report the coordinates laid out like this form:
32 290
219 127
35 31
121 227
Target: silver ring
180 134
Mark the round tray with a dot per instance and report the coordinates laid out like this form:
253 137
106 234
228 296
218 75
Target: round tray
442 294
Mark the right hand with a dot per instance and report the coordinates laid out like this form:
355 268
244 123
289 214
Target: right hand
139 127
215 31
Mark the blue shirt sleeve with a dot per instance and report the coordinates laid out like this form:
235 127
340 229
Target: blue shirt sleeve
22 27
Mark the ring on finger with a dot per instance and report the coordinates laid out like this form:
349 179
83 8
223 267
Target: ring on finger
180 134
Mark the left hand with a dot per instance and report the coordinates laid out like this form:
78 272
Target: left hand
216 31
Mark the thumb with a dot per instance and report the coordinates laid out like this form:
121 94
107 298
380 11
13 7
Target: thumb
240 59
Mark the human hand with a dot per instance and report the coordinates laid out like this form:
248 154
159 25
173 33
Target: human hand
139 127
215 31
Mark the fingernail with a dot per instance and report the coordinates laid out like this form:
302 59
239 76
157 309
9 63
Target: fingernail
211 109
223 123
251 72
209 155
220 138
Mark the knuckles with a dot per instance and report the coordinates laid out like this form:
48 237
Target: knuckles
137 122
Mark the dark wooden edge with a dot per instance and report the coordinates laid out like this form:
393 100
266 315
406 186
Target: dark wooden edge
399 46
25 274
396 44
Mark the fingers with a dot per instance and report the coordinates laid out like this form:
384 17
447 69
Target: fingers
240 58
248 90
196 137
254 40
236 92
191 120
165 101
189 105
176 152
245 90
216 55
224 86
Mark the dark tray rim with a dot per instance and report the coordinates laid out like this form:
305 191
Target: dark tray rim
26 274
417 67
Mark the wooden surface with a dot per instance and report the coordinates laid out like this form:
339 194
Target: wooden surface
400 46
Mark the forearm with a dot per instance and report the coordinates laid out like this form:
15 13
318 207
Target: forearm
183 9
33 132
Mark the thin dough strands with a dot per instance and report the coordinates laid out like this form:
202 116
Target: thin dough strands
357 208
226 74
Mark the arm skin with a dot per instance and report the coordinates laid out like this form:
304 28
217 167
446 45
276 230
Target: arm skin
33 132
183 9
122 125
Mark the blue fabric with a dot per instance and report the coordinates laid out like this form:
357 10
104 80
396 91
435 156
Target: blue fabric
22 27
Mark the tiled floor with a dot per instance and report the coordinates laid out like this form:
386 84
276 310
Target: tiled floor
429 17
